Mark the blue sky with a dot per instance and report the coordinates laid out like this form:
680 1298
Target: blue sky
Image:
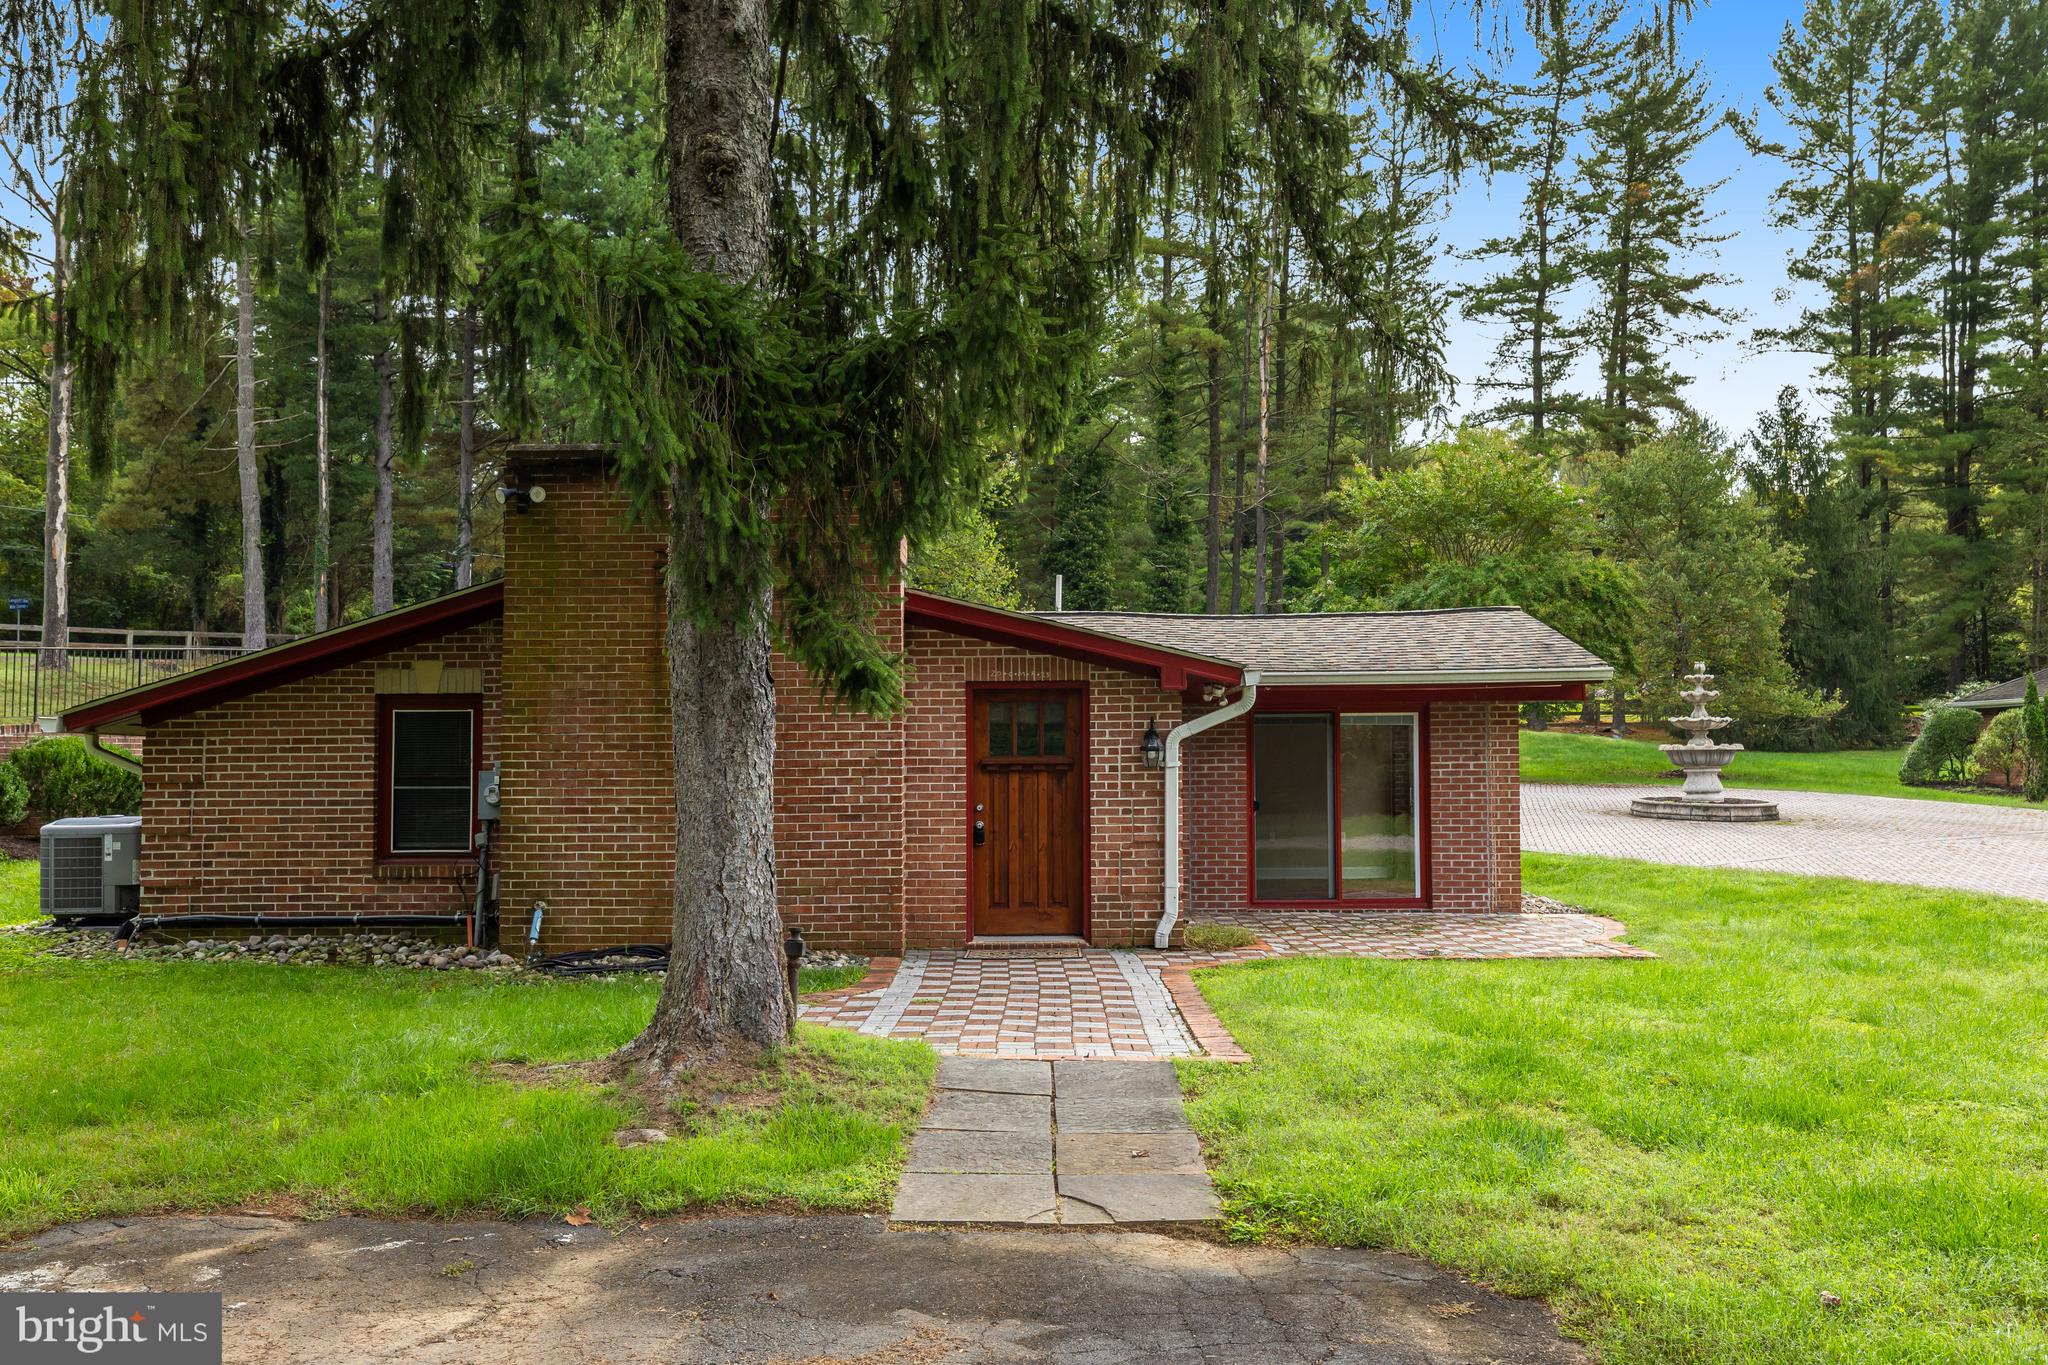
1735 40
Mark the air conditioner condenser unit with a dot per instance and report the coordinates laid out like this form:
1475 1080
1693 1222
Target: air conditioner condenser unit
89 868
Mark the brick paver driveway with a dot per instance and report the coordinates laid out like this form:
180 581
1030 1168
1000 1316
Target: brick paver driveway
2000 849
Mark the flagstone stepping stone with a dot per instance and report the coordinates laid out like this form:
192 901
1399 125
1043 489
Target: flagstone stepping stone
989 1112
1129 1154
1152 1079
1072 1143
996 1074
1121 1114
1144 1198
923 1197
939 1151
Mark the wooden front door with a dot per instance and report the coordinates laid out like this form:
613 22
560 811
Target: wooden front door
1029 792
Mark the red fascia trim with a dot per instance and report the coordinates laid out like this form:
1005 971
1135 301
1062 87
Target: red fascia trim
1176 672
316 654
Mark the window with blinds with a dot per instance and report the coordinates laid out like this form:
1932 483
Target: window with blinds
432 773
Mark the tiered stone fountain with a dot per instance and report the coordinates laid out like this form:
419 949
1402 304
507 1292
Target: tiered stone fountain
1701 760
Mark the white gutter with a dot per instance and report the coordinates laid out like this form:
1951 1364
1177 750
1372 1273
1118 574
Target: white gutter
94 744
1437 677
1169 913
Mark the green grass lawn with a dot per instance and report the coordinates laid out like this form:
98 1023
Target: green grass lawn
127 1086
20 891
1820 1086
1554 756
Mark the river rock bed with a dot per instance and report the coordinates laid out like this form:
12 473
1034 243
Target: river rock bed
364 949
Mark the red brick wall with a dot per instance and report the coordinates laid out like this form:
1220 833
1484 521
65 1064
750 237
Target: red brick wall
268 803
1127 806
1475 812
1214 808
589 792
1125 799
588 801
839 811
1475 799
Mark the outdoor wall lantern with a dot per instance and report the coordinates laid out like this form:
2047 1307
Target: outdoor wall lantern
1150 748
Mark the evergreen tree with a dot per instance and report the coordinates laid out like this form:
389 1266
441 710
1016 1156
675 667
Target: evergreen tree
1399 306
1711 577
1170 564
1080 552
1543 258
1650 228
1846 79
2034 732
1966 112
841 357
1833 633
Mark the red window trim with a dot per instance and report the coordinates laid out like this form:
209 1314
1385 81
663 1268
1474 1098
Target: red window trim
1423 822
388 704
1077 731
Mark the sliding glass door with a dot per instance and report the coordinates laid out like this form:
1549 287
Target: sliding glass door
1291 807
1334 800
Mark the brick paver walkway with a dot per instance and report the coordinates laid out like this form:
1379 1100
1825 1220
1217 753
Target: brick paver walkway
1118 1003
1952 844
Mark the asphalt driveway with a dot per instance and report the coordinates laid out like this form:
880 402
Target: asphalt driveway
1953 844
779 1289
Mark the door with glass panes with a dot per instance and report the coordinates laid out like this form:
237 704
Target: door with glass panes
1028 794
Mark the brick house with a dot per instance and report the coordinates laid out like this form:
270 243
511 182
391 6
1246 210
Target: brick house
1343 761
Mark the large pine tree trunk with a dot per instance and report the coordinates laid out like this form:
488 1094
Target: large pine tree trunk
56 642
253 602
1212 600
725 981
381 585
465 464
1244 388
1213 529
323 478
1265 436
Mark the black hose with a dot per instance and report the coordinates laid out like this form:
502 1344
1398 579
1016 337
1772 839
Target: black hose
639 957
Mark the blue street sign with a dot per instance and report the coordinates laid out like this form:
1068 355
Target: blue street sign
18 604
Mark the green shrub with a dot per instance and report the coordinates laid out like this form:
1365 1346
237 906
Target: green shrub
2034 729
64 780
2002 748
1942 753
13 796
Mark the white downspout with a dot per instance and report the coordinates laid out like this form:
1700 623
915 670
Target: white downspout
1170 910
94 744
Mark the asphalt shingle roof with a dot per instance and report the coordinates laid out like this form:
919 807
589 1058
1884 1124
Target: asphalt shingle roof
2009 693
1480 640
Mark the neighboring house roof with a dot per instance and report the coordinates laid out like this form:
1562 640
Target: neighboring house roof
2006 695
245 674
1466 645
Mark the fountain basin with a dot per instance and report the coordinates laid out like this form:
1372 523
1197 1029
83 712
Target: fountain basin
1726 809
